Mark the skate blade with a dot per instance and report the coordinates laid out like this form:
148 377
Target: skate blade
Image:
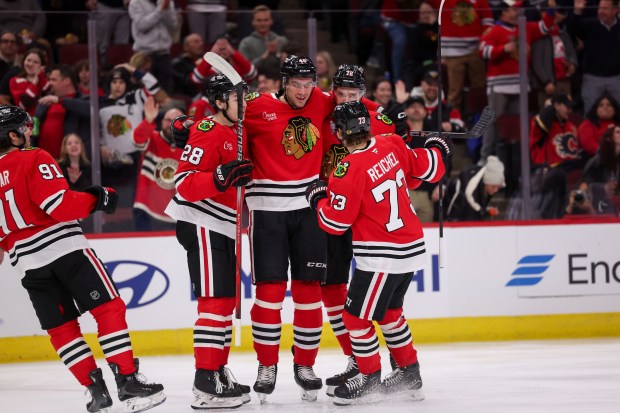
330 391
373 398
262 397
246 398
204 401
140 404
308 395
406 395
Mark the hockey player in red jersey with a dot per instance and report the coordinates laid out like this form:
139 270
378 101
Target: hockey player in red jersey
40 232
205 210
285 144
367 192
348 85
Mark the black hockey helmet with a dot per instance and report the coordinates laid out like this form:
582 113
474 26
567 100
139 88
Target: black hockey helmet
219 88
295 66
349 76
352 118
12 119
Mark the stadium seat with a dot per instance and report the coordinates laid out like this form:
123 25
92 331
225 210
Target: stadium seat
118 53
72 53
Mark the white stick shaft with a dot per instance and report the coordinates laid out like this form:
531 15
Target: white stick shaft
237 325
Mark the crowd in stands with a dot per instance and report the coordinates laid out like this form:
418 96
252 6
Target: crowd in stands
150 68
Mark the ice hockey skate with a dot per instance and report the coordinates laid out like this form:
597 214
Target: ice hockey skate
100 397
359 390
351 371
212 391
266 381
309 384
229 379
136 394
404 381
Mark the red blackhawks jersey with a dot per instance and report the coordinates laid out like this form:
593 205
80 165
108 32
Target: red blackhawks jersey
160 161
243 66
200 108
38 211
503 67
462 24
333 149
286 147
197 199
368 192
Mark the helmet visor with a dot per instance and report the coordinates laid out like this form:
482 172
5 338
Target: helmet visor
26 125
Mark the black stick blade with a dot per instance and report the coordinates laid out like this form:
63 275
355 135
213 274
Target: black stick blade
486 119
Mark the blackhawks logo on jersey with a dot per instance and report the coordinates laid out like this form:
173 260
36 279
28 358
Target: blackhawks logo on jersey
341 169
205 125
332 157
251 96
384 119
117 125
463 14
299 137
164 173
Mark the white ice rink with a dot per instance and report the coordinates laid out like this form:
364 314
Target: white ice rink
525 377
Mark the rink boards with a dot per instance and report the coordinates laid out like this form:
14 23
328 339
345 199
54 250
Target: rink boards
500 282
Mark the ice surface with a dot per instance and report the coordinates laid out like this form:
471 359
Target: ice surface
526 377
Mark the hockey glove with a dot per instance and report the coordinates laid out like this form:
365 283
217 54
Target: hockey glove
107 198
180 132
234 173
316 191
440 142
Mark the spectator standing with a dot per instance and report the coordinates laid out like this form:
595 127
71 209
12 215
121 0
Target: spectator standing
262 42
159 162
463 24
9 52
499 47
66 278
244 18
15 18
74 163
469 194
397 22
65 111
604 113
554 62
325 69
182 66
601 36
224 49
30 83
82 68
207 18
112 22
152 26
423 38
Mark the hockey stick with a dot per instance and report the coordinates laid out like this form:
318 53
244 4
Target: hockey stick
486 119
441 252
227 70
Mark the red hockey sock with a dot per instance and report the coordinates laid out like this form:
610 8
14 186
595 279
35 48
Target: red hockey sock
398 337
267 321
211 331
307 320
334 297
365 343
69 343
113 335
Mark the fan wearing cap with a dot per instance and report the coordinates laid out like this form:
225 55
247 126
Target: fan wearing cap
468 195
499 47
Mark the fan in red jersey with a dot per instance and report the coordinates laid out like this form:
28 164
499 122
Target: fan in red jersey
205 209
367 192
40 232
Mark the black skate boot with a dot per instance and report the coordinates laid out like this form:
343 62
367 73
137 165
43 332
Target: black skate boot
308 382
404 381
340 378
101 400
358 390
266 381
228 379
211 391
136 394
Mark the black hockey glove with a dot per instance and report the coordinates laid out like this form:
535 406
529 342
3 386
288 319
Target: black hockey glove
316 191
233 173
440 142
107 198
180 133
